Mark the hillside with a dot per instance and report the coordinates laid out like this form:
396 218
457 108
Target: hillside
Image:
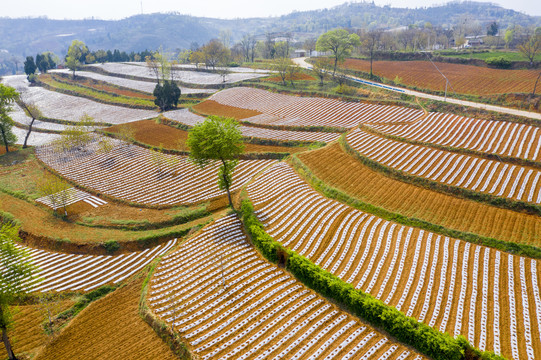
28 36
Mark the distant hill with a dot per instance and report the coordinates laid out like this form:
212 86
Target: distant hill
28 36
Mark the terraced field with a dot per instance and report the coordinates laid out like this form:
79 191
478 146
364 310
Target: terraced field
497 137
69 272
469 172
340 170
186 117
488 296
142 176
279 109
465 79
250 309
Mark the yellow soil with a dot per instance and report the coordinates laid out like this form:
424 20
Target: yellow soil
338 169
109 328
27 335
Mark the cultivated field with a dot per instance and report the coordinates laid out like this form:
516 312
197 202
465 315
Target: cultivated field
497 137
56 105
250 309
109 328
186 117
469 172
69 272
140 70
146 86
465 79
143 176
340 170
278 109
490 297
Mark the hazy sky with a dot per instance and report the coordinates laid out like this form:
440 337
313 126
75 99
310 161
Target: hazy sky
117 9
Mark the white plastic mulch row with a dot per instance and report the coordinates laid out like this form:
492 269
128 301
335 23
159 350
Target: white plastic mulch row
68 197
229 303
186 117
146 86
186 76
493 177
499 137
143 176
452 285
70 272
291 110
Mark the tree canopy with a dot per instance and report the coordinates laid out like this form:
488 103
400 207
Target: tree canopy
339 42
217 139
29 66
77 53
8 96
167 95
17 271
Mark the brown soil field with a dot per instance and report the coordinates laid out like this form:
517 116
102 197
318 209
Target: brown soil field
109 328
465 79
27 335
211 107
297 77
152 133
338 169
101 86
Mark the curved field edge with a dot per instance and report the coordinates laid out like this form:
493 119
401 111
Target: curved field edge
405 329
456 191
490 156
98 330
368 201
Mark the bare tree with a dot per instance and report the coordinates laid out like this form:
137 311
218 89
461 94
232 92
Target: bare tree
531 47
321 68
34 113
370 42
310 45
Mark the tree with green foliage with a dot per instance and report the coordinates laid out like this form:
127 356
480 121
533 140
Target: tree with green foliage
8 96
76 55
17 270
76 136
29 66
321 68
339 42
167 95
46 61
217 139
492 29
281 66
531 47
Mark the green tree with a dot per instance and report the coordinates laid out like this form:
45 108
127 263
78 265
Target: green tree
76 55
281 66
8 96
217 139
76 136
29 66
339 42
321 68
16 271
531 47
167 95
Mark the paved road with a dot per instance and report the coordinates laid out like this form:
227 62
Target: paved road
302 62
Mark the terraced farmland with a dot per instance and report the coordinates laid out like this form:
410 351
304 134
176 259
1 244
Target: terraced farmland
142 176
278 109
465 79
488 296
340 170
253 310
186 117
487 176
497 137
69 272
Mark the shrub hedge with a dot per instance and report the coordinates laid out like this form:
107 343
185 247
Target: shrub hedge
405 329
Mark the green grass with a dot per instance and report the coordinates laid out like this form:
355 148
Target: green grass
508 55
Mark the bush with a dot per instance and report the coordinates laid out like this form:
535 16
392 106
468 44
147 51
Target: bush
344 89
498 62
111 246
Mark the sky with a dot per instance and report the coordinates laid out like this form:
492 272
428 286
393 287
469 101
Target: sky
225 9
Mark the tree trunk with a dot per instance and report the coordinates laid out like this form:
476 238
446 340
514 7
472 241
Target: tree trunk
535 86
28 133
7 344
371 59
335 64
4 138
226 183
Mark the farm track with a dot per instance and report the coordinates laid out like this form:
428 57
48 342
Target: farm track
490 297
514 182
69 272
278 109
138 175
338 169
262 312
503 138
109 328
